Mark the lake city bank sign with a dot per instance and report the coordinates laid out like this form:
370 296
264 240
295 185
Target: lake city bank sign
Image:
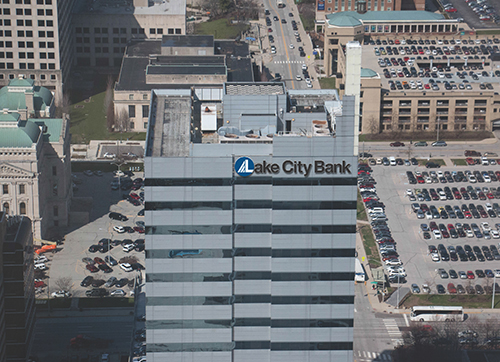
244 167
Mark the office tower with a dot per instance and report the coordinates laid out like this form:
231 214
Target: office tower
35 42
19 291
251 220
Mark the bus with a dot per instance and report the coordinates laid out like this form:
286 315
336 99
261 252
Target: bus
436 314
280 3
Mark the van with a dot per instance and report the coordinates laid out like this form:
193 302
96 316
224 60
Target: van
484 161
415 207
392 161
375 210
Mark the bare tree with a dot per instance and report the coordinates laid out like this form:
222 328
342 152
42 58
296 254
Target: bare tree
107 106
373 125
65 105
122 121
64 283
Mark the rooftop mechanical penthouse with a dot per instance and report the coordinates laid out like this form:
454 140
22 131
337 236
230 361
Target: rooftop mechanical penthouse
251 220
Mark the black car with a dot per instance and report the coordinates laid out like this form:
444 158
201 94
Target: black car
440 289
117 216
104 242
137 266
98 292
121 283
93 248
139 247
105 268
87 281
110 260
140 213
97 283
432 165
104 248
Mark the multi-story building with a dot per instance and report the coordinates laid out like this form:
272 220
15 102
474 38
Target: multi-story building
35 167
19 291
434 96
250 225
3 353
35 42
325 7
176 62
102 28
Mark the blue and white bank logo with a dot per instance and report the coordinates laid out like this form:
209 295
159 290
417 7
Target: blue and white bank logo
244 166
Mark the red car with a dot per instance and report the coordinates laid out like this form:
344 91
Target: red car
451 10
467 215
270 30
420 180
397 144
92 268
139 229
470 275
99 261
427 86
490 196
470 161
452 289
134 196
40 284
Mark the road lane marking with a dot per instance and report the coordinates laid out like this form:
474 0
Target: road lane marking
407 322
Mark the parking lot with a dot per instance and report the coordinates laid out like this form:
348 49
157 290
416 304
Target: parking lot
413 248
68 261
433 64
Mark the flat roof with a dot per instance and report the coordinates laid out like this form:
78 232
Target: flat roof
172 123
370 61
353 18
108 7
189 60
138 57
185 69
188 41
253 88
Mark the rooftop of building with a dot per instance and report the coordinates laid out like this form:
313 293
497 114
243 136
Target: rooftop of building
254 88
171 125
123 7
188 41
17 133
353 18
484 74
138 58
12 96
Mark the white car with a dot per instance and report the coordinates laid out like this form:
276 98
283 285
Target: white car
126 266
292 46
61 294
435 257
309 85
117 293
496 272
486 178
41 259
437 234
298 77
488 206
109 155
393 262
462 274
495 234
409 192
304 67
128 247
119 229
40 266
485 226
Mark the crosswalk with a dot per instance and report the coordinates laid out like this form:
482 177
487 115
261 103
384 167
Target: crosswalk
393 330
365 356
288 62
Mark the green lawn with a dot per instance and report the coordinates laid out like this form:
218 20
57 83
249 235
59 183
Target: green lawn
361 212
88 122
327 83
466 301
220 29
308 23
459 161
488 32
370 245
439 161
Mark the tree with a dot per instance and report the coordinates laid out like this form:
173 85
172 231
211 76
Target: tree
64 283
107 106
122 121
65 106
373 125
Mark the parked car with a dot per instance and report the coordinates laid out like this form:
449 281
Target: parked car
87 281
117 216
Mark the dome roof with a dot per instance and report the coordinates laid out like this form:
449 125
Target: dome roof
343 19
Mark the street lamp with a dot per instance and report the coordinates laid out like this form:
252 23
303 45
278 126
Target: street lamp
493 296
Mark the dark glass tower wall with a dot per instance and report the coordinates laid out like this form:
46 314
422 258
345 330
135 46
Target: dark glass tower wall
252 269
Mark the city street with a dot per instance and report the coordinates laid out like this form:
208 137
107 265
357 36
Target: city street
287 61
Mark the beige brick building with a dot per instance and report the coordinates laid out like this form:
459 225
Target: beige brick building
35 167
